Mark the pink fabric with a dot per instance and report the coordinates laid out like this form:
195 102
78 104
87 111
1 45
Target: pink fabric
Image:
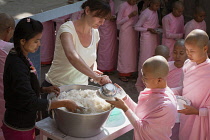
175 76
191 25
173 29
150 117
148 41
128 39
59 21
175 132
11 134
47 42
76 15
196 88
4 50
107 46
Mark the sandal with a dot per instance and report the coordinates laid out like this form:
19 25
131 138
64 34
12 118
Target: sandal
70 1
123 78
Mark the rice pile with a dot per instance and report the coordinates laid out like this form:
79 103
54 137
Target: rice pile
87 99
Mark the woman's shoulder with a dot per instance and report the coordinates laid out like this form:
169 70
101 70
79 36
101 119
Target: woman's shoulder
67 27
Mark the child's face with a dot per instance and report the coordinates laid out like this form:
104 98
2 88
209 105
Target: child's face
154 6
199 17
148 79
179 54
177 12
195 53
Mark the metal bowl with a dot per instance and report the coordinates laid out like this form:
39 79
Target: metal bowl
80 125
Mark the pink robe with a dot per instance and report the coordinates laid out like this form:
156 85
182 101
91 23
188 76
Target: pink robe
148 41
107 46
59 21
76 15
150 117
47 42
191 25
4 50
173 29
196 88
175 76
128 39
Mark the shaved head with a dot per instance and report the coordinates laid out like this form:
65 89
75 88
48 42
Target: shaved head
199 10
162 51
157 66
154 1
197 37
180 42
178 4
6 21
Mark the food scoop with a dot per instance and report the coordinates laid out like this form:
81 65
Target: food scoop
109 91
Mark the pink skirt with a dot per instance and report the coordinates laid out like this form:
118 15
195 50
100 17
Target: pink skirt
11 134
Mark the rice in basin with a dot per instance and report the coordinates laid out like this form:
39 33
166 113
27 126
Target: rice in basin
87 99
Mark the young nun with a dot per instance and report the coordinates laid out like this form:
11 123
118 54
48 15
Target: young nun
7 26
147 24
107 46
197 23
156 104
128 39
175 76
173 27
163 51
194 119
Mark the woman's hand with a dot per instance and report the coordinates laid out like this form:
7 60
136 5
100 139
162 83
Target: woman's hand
50 89
104 79
119 104
189 110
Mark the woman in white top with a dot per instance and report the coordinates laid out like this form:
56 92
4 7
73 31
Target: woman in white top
76 46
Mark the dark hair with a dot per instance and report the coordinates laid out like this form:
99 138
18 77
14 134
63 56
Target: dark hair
103 9
26 28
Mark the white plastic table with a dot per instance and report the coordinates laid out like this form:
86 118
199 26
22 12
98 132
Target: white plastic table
114 127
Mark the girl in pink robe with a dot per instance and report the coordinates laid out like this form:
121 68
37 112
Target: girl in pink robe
194 120
147 25
5 46
107 46
154 115
173 27
128 39
196 23
175 76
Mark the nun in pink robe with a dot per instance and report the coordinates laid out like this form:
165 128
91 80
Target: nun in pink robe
4 50
107 46
196 88
128 39
150 117
148 40
191 25
175 75
48 42
173 29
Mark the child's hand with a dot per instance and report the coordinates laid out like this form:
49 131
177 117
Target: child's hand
153 31
119 104
189 110
132 14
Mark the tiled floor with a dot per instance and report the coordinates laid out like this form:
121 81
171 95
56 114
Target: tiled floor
129 87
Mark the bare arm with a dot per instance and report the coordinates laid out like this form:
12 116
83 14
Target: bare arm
73 56
75 59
